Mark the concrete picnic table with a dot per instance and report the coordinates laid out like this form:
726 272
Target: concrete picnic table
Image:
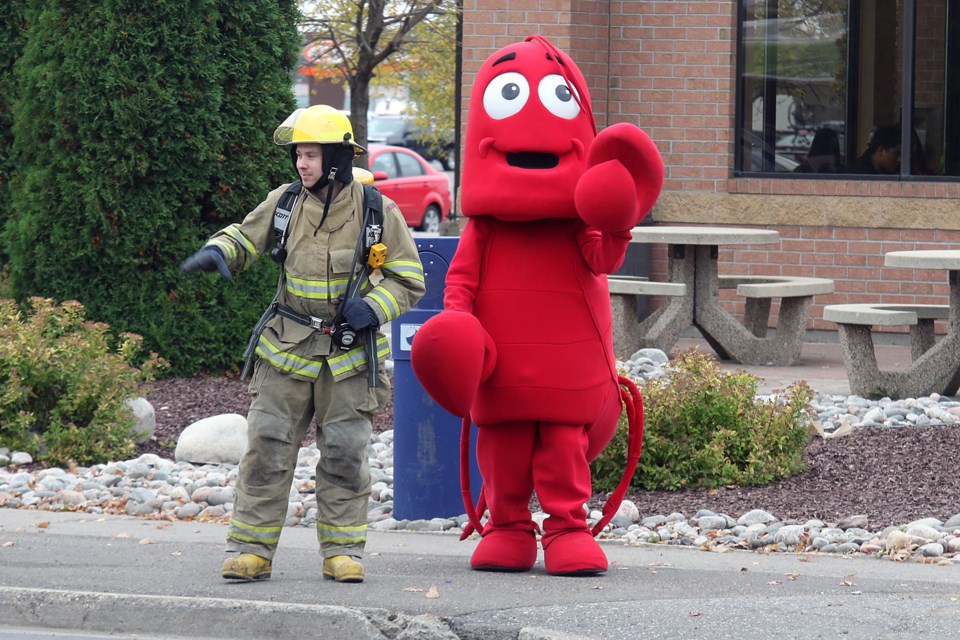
693 253
936 364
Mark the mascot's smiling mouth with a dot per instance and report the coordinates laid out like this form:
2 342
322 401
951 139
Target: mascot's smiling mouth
532 160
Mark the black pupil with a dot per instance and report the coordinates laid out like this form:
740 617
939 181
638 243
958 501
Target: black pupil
511 91
563 93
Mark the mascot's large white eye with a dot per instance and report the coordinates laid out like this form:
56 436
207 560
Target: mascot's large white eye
558 97
505 95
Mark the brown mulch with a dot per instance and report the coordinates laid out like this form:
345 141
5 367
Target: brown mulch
893 476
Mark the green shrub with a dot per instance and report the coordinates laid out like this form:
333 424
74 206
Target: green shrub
64 383
706 428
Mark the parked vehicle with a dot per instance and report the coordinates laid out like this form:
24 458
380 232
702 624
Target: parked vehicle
404 176
400 131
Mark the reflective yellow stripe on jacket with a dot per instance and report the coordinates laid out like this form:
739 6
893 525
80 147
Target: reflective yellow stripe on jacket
250 253
387 301
316 289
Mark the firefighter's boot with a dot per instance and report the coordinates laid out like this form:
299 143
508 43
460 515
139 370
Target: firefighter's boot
246 566
561 476
342 569
504 456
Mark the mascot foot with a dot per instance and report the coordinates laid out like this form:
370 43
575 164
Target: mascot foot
505 550
574 554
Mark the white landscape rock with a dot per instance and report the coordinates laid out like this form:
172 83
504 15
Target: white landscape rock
215 440
145 416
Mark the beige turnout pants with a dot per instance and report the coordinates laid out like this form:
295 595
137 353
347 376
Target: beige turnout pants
280 414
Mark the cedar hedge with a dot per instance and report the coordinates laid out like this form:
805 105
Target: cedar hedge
139 129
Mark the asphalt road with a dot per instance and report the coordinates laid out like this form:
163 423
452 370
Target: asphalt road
87 574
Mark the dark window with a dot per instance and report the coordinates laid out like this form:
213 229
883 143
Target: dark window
384 162
825 85
409 166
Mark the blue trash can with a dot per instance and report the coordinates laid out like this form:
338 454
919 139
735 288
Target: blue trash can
426 437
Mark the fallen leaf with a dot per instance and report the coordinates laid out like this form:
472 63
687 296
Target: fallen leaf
176 553
148 541
775 582
42 525
123 534
8 543
793 576
599 586
744 569
805 559
432 592
847 583
413 589
695 614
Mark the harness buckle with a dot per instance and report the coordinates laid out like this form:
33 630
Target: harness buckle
317 323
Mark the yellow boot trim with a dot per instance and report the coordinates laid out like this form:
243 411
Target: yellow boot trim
246 566
343 569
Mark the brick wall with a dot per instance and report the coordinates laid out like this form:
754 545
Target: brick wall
669 67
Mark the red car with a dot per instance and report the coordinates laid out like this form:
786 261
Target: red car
421 192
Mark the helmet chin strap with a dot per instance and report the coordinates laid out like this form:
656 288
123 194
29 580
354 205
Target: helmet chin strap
331 186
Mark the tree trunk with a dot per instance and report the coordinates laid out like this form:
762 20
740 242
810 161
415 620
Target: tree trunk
359 104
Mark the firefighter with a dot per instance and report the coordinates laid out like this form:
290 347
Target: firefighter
305 368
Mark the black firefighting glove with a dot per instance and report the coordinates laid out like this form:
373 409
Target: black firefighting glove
358 314
207 259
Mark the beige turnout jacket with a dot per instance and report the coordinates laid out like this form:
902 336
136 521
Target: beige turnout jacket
319 259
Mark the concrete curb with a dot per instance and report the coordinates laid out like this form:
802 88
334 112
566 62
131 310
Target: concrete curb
189 617
219 618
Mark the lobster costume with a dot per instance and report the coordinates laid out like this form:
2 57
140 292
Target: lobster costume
524 346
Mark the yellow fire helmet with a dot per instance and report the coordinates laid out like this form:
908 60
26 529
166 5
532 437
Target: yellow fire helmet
321 124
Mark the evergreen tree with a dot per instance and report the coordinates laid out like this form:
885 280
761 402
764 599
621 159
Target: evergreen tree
141 129
11 43
259 43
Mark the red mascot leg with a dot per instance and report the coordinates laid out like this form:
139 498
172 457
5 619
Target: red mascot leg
504 453
561 476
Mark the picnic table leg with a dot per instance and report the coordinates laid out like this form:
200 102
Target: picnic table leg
756 316
735 341
922 337
859 357
662 329
792 326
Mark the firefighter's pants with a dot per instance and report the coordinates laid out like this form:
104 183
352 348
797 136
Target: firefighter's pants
280 412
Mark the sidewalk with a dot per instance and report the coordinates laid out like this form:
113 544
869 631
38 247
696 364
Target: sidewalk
111 574
821 365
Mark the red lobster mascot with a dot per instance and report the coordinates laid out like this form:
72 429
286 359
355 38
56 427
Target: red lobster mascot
524 345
